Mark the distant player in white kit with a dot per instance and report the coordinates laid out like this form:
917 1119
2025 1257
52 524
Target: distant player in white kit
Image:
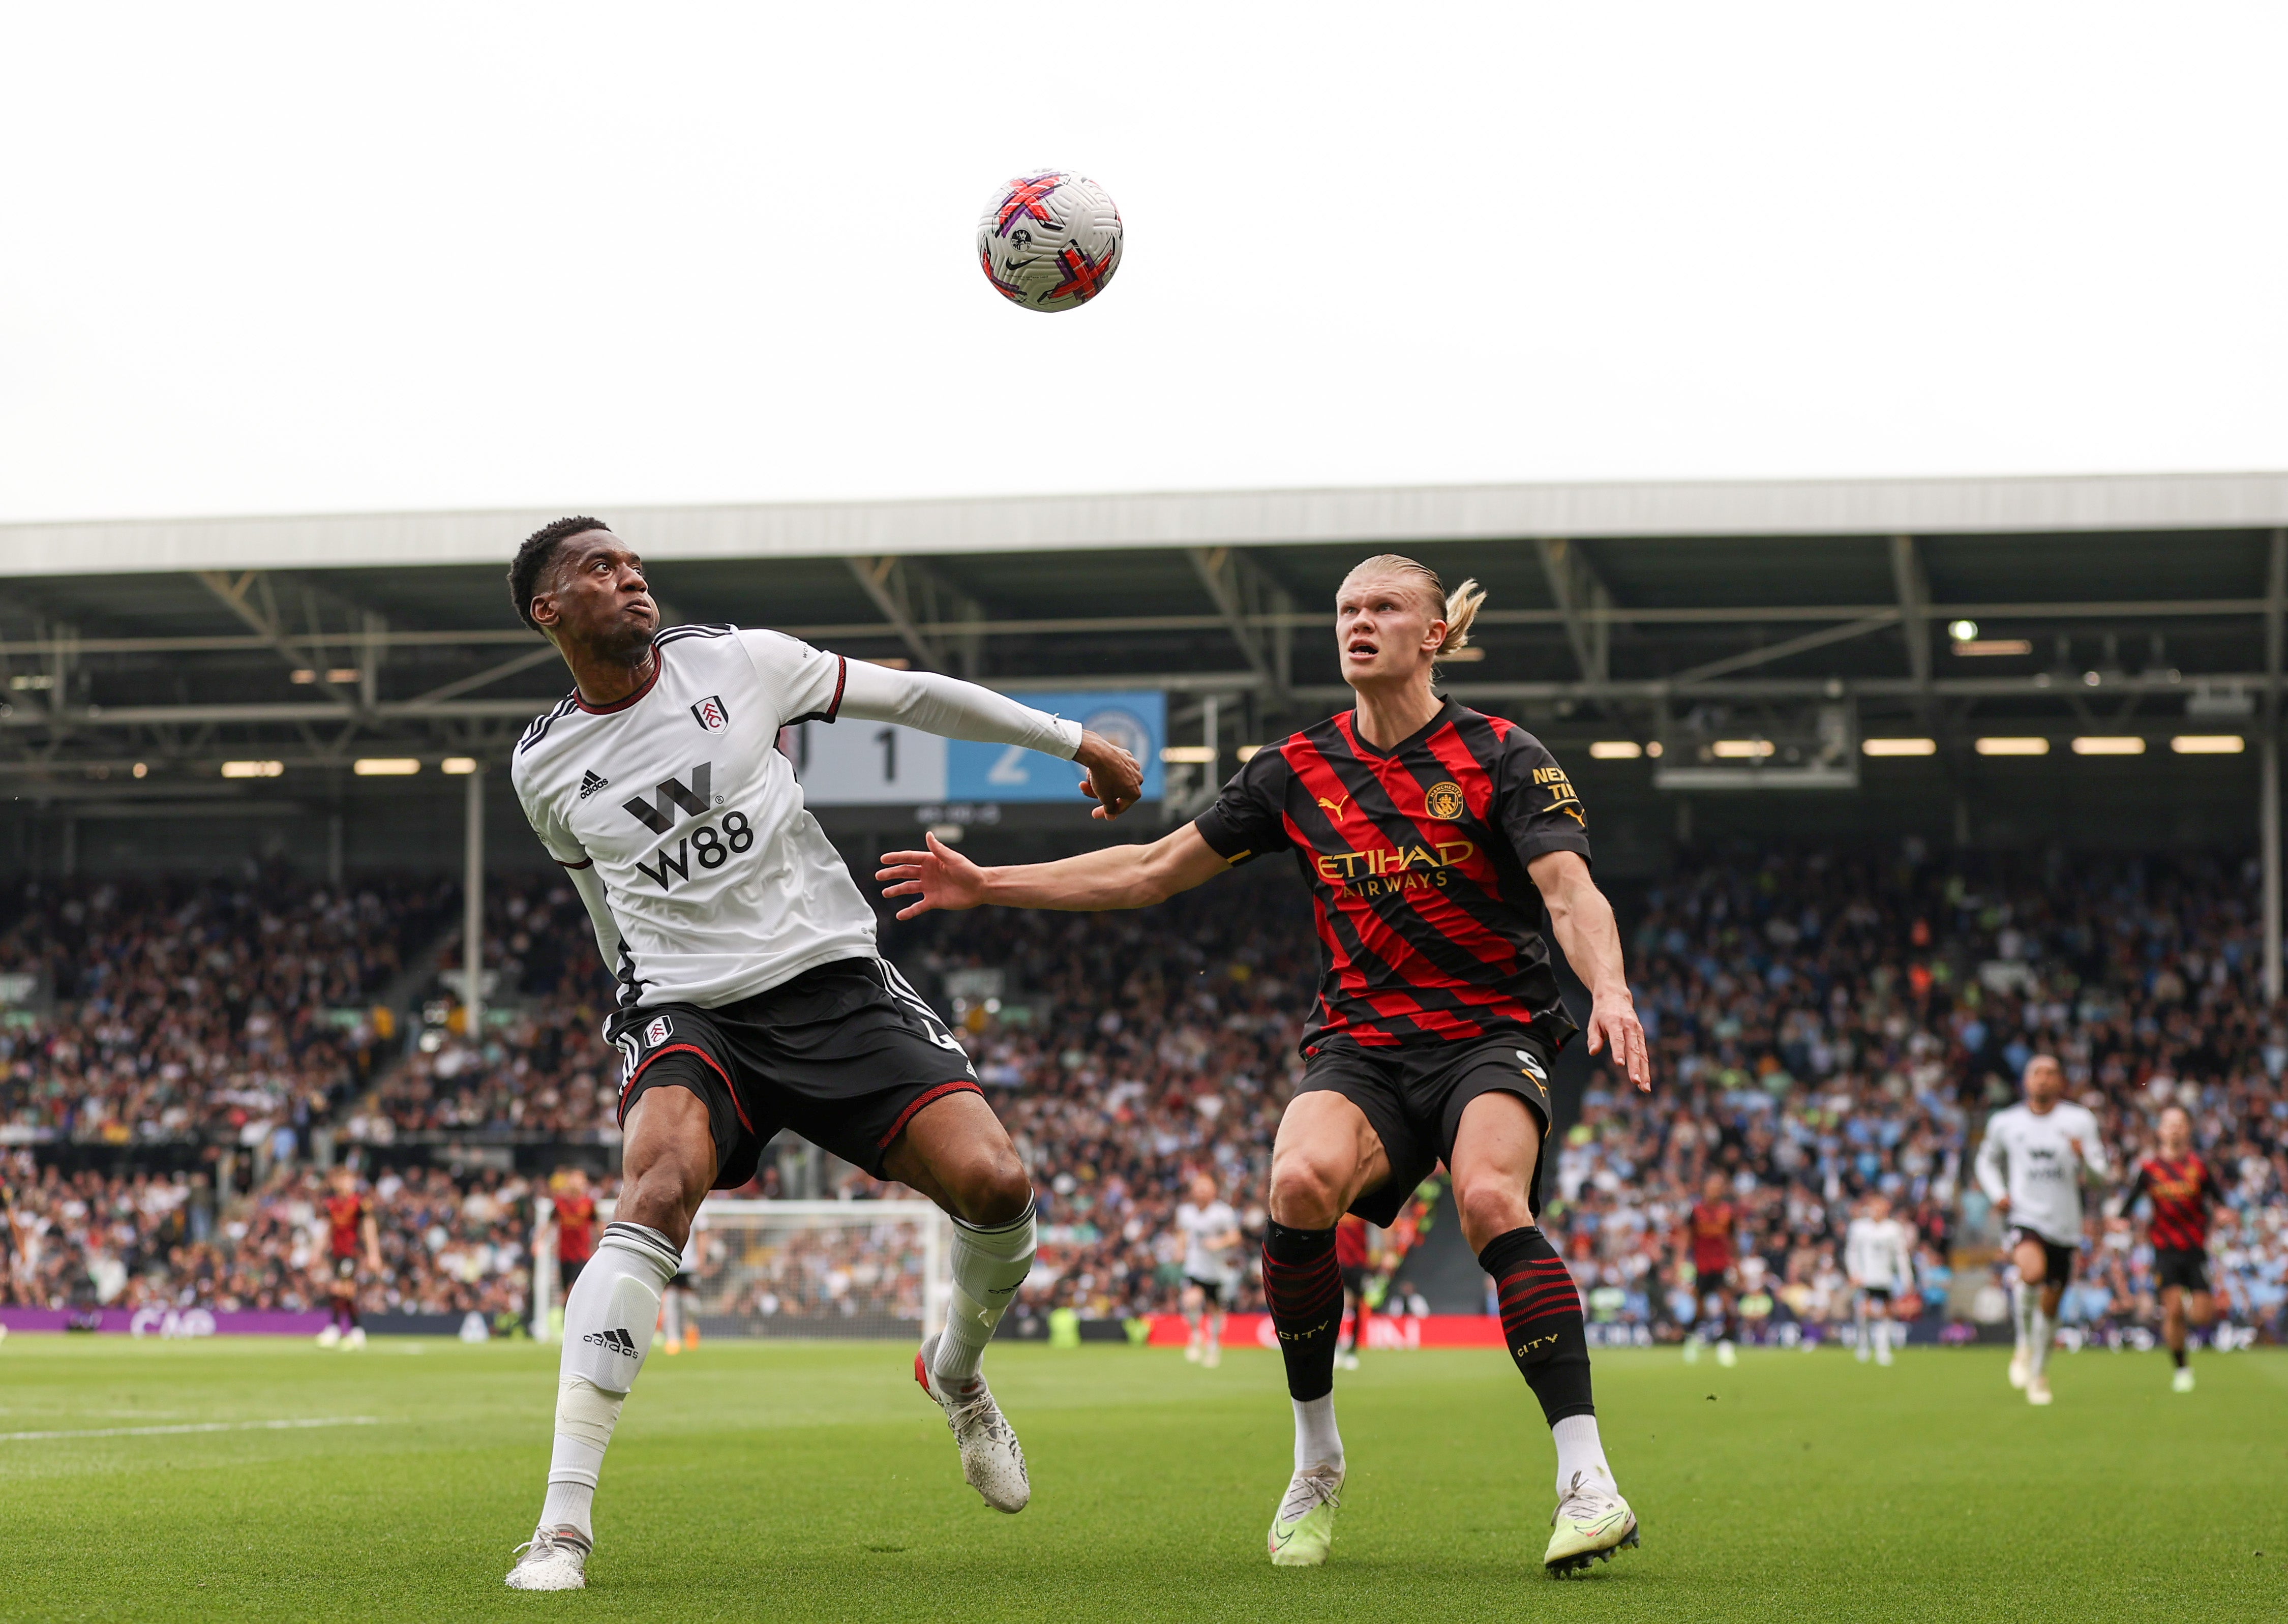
1879 1256
752 997
2033 1166
1211 1232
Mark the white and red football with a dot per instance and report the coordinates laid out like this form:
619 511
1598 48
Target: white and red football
1049 241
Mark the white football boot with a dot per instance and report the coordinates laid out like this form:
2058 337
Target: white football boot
1590 1524
992 1460
2022 1367
1304 1525
2182 1381
355 1339
552 1560
330 1337
2037 1389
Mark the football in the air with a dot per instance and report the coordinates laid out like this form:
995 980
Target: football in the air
1049 241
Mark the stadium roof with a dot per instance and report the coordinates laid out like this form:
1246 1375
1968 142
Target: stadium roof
1257 518
2102 604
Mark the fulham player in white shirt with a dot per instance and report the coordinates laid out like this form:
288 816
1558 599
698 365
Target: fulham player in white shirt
2033 1163
1879 1256
751 996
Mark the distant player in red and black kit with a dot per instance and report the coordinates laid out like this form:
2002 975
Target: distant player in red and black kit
1352 1258
352 1235
1443 849
2181 1188
570 1217
1715 1258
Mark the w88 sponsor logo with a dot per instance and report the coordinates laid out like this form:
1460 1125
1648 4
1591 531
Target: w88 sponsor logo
710 846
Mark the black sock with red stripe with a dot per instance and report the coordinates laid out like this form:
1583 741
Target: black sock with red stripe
1305 1291
1541 1320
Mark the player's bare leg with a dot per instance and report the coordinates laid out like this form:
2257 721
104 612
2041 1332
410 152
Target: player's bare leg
956 1152
1495 1148
1195 1302
668 1167
2035 1302
2178 1305
1351 1341
1325 1154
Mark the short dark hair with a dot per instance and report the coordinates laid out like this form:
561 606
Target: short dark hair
538 552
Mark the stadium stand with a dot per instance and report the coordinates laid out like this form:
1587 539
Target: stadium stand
1827 1024
448 1245
186 1011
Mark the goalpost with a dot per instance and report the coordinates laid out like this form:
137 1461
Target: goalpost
783 1270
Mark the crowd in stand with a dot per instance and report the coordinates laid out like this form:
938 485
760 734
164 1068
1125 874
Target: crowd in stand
1824 1026
541 1066
193 1010
448 1245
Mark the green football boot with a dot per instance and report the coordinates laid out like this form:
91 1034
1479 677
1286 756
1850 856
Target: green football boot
1304 1525
1590 1524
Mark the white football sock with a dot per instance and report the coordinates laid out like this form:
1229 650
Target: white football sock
989 1266
1882 1336
608 1325
2046 1332
1580 1450
2022 1314
1316 1441
1859 1322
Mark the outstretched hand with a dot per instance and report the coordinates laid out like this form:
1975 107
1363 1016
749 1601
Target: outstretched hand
1113 777
941 878
1614 1030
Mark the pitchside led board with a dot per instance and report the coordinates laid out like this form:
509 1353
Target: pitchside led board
854 764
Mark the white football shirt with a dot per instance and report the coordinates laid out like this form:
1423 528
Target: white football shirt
2037 1162
720 882
1199 1226
1878 1252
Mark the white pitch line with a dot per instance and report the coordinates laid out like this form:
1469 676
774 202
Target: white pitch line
147 1432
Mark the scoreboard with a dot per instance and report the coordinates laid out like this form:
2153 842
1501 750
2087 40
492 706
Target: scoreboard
854 764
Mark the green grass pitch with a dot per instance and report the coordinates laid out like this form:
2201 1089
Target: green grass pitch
814 1482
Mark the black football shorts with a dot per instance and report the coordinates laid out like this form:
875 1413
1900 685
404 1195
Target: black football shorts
1413 1096
2182 1267
2057 1261
843 1054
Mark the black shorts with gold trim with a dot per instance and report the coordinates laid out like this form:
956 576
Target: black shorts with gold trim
1413 1096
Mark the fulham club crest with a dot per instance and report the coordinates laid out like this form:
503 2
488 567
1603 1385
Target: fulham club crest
657 1033
710 714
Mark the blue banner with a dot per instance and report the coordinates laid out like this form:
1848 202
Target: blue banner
1137 721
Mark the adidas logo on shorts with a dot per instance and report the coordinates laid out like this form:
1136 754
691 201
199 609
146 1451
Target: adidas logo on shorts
618 1342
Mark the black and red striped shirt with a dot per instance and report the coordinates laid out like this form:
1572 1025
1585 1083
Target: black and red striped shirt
2181 1192
1430 929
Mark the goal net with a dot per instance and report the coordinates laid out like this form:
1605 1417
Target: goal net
813 1268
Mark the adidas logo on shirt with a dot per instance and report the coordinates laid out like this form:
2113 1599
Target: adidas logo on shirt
591 781
618 1342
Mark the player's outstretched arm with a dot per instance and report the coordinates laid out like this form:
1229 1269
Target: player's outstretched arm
1582 922
951 708
942 878
1992 1173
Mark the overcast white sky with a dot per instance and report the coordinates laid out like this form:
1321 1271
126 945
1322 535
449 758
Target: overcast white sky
321 259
